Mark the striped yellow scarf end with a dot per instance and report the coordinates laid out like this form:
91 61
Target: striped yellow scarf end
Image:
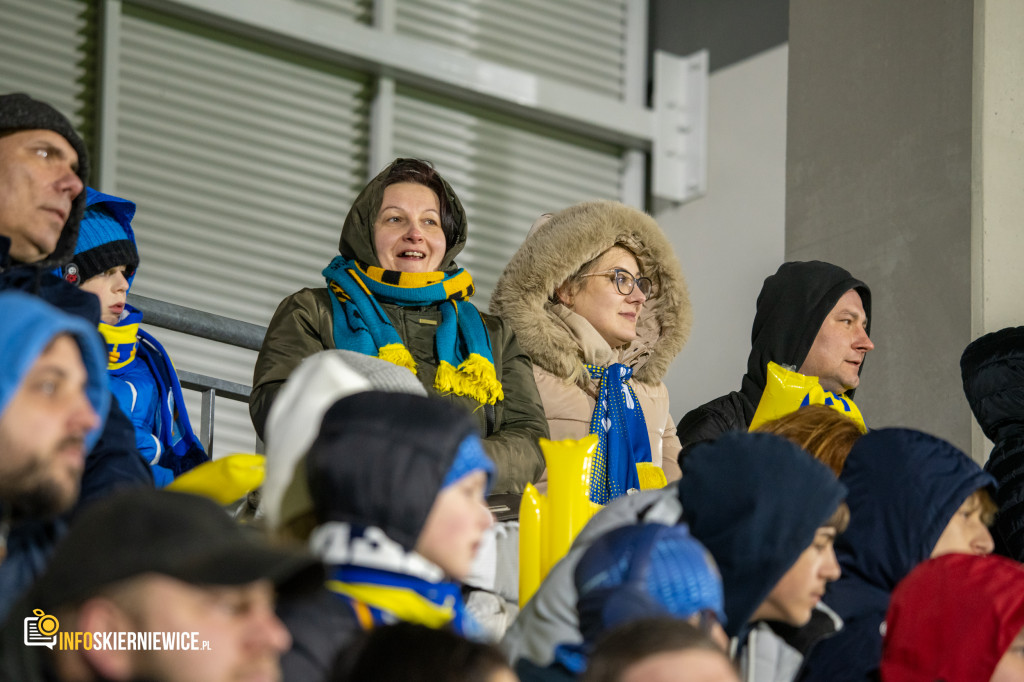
397 354
446 380
475 378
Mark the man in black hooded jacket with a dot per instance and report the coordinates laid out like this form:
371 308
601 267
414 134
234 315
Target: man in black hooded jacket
812 317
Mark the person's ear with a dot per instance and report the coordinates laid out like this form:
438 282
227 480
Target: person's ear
563 295
103 615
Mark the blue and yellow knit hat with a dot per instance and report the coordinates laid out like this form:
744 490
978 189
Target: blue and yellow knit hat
643 571
105 239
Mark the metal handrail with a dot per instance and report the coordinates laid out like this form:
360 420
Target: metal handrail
198 323
214 328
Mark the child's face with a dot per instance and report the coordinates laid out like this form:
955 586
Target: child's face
1011 665
966 532
794 597
455 526
112 289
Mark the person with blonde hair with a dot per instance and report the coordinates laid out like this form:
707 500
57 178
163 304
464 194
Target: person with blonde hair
597 299
912 497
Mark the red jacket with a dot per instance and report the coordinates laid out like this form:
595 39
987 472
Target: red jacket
952 619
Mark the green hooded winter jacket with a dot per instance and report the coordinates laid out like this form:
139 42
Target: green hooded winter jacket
304 324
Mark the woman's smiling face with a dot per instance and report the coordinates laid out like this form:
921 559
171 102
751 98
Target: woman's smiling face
407 233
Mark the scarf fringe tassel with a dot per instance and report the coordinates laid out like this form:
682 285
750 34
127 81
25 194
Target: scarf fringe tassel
397 354
474 378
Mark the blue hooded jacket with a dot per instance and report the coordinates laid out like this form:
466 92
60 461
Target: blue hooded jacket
905 486
755 500
29 326
142 377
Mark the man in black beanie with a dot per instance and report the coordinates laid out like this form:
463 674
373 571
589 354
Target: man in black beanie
812 317
43 171
44 168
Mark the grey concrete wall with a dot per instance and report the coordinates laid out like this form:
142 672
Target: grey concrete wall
731 239
878 180
998 152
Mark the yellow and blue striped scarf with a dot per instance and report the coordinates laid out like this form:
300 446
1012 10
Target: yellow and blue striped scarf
465 361
621 429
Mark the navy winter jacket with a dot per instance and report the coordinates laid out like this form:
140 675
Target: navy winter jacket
904 486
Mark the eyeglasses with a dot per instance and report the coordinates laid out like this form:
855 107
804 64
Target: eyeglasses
625 282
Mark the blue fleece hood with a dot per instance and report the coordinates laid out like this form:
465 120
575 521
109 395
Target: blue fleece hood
30 324
905 486
755 500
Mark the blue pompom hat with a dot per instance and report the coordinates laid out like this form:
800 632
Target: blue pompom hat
105 239
645 571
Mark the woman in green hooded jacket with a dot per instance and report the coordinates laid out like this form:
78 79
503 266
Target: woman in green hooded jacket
396 293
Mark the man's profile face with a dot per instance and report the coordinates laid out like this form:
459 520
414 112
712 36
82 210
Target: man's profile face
245 636
839 348
42 433
37 185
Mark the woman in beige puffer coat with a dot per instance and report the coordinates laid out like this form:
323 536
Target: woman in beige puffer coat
559 295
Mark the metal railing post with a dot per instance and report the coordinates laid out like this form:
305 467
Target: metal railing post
206 419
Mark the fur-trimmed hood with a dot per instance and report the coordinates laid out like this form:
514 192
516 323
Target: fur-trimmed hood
554 250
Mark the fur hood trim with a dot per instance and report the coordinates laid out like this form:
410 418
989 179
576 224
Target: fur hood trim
555 249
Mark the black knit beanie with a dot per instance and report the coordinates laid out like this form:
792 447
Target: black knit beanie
18 111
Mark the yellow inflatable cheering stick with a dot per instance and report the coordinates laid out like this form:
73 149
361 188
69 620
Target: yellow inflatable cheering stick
787 391
548 524
224 480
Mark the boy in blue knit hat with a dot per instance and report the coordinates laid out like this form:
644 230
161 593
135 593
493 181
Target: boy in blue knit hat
142 377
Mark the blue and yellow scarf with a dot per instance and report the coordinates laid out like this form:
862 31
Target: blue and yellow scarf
127 342
622 435
465 361
122 340
380 597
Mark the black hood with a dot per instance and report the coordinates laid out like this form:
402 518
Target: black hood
790 309
380 458
992 368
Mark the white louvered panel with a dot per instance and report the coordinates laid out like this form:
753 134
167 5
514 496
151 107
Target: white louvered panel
505 175
356 10
243 161
577 41
42 51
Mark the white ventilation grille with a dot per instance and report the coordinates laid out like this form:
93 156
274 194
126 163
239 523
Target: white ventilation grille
243 162
42 51
505 174
577 41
